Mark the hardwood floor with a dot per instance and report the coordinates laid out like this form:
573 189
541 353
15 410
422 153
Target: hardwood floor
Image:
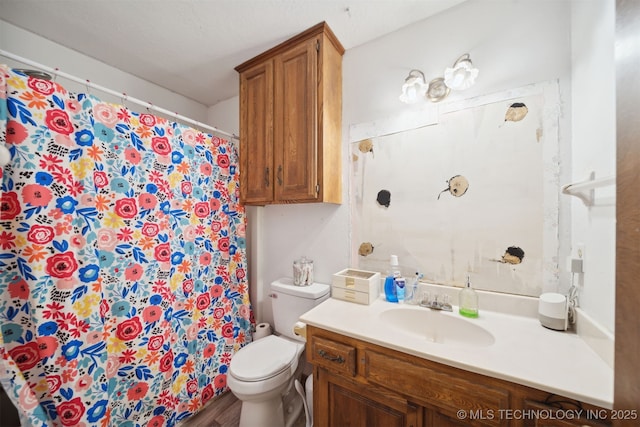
223 411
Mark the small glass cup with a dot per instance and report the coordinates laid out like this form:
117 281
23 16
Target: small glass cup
303 272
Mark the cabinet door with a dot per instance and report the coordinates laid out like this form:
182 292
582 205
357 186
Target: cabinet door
256 138
539 414
437 419
339 403
296 123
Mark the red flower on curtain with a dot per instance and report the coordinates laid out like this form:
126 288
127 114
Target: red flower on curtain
16 133
45 87
40 234
207 393
36 195
186 187
26 356
223 244
71 412
223 161
192 386
160 145
202 209
203 301
58 121
62 266
155 342
227 330
147 120
19 288
166 361
129 329
126 208
54 382
9 206
138 391
100 179
150 229
162 252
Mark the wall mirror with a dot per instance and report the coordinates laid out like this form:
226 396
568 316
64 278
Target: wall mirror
463 188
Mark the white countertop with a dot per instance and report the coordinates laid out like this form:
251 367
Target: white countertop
524 352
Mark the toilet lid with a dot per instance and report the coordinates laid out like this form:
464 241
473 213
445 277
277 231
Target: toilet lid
263 358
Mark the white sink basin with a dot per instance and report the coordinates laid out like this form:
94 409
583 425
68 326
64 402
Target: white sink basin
436 326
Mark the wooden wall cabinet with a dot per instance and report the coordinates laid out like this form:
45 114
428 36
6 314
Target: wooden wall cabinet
361 384
291 121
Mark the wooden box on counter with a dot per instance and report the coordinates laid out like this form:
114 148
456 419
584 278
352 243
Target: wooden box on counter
359 286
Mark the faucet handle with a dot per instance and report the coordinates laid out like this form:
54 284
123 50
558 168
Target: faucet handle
426 298
446 303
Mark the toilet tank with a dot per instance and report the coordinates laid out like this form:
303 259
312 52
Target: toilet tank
289 302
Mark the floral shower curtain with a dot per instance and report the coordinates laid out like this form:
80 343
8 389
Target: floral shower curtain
123 289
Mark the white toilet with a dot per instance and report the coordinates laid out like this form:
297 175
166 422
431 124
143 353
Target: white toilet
262 373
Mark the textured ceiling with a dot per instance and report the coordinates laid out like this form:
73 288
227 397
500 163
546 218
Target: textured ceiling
191 47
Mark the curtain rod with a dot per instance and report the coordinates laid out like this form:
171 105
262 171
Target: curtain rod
124 96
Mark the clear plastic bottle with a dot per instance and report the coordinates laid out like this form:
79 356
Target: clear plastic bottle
411 292
389 281
468 301
400 285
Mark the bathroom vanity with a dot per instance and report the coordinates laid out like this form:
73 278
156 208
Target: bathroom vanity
371 369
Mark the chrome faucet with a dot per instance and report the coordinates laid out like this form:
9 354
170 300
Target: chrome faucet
439 302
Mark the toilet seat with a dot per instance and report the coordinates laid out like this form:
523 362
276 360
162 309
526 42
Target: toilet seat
266 358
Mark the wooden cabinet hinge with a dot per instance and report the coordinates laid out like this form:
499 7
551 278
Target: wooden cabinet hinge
317 45
317 189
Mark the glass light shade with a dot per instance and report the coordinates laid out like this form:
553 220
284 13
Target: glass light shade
414 87
462 75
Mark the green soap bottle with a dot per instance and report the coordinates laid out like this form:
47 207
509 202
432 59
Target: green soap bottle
468 301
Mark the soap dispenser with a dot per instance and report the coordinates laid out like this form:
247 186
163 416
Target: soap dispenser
468 301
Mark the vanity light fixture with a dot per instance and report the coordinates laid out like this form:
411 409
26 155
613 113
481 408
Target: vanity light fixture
414 87
459 77
462 75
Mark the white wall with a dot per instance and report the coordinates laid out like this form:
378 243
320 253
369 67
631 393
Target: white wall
35 48
593 147
514 43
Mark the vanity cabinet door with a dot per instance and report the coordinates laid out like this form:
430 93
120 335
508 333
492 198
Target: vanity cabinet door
437 419
552 416
451 391
341 402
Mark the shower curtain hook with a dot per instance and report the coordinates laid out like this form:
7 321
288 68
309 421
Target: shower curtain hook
55 74
123 99
87 83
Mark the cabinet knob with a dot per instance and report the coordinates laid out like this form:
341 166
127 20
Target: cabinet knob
266 176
